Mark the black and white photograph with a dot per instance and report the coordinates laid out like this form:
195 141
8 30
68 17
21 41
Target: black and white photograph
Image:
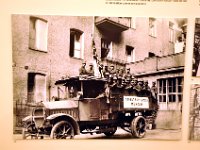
97 77
196 50
194 120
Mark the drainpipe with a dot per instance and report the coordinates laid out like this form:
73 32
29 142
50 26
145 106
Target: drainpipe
50 82
156 63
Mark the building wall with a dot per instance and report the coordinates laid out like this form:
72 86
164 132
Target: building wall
154 64
173 110
54 63
140 39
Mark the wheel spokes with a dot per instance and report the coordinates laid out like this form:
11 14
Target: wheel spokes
140 128
63 132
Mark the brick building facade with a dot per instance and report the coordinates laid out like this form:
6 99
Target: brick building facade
47 48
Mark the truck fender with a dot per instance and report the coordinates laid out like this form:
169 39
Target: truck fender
27 119
62 116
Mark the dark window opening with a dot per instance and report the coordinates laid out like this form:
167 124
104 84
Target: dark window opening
130 54
105 48
31 87
36 88
92 89
71 52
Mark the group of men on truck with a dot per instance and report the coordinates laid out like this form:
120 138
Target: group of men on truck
119 79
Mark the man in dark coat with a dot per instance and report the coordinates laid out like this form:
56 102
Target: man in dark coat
90 71
128 75
82 70
106 72
154 90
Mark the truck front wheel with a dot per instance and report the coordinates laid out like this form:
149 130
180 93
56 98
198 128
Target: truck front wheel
62 130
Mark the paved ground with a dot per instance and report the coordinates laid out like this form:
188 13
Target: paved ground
156 134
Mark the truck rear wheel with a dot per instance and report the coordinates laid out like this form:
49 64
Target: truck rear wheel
62 130
138 127
110 133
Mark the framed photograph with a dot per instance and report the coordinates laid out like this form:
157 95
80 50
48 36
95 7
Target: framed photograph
196 51
97 77
194 133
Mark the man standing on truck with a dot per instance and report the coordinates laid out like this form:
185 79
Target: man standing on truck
128 75
112 70
106 72
82 70
146 86
121 73
90 71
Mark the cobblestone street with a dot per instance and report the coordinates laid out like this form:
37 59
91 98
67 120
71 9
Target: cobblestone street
156 134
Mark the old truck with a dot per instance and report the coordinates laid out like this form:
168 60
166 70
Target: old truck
92 106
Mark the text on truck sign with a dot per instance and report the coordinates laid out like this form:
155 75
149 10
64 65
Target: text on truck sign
136 102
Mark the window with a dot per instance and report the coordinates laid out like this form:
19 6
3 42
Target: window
38 34
162 90
179 45
130 54
76 43
170 90
152 27
133 23
171 32
106 48
36 87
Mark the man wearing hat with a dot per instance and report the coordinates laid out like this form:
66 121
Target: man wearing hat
100 66
117 72
154 90
146 85
121 73
112 70
140 85
82 70
90 71
134 83
106 72
128 75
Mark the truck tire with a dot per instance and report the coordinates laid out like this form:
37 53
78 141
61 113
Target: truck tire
110 133
138 127
62 130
